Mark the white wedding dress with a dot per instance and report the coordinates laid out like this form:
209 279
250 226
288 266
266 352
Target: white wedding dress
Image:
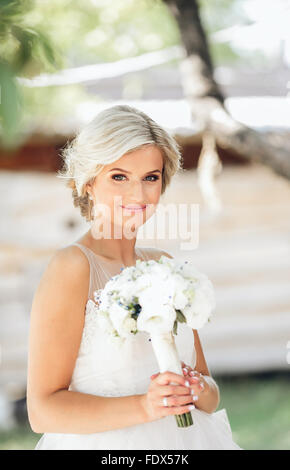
109 369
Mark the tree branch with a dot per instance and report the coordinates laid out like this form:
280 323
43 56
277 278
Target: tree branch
206 99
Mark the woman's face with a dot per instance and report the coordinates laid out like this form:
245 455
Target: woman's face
128 190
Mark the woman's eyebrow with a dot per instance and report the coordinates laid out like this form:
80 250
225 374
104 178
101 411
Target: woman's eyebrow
125 171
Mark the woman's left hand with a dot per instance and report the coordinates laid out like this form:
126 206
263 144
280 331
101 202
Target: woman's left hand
198 384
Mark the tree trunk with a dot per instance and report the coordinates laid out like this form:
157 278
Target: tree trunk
207 102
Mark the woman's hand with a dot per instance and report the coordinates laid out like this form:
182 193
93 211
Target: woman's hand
197 381
198 384
179 397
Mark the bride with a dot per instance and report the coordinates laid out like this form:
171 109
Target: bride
84 391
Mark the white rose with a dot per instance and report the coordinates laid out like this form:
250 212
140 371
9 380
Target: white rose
201 305
129 325
120 317
179 287
163 271
155 318
142 282
159 292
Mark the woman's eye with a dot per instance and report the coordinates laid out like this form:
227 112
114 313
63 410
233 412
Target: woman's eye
150 176
153 176
113 177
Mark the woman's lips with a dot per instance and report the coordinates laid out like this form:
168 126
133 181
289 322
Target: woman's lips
134 209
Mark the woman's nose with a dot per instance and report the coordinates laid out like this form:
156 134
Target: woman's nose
137 193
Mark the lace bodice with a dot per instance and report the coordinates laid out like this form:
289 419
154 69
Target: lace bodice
109 366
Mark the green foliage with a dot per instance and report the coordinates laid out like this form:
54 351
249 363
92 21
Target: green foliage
258 410
24 51
24 45
94 31
19 438
44 36
180 317
10 100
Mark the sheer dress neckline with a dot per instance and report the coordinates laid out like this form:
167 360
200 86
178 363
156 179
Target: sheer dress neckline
102 270
138 252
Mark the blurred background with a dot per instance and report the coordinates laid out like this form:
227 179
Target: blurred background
216 75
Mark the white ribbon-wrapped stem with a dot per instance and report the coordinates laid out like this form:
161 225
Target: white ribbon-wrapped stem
166 352
167 357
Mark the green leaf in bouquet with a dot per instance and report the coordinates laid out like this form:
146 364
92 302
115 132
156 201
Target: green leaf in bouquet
175 327
180 317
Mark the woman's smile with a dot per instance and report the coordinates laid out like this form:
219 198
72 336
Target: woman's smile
134 208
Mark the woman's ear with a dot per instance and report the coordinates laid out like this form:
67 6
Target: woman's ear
89 186
88 190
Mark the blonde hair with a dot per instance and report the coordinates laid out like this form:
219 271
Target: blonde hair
114 132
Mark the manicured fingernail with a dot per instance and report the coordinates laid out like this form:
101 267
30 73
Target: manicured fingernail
195 397
193 372
195 379
187 383
184 370
191 407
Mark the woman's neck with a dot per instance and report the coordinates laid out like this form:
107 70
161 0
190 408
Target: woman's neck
118 250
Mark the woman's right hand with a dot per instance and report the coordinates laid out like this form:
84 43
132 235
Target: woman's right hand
179 396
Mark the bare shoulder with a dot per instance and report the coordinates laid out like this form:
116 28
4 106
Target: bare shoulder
67 271
69 258
60 300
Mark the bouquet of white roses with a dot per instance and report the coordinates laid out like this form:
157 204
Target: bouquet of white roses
154 296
